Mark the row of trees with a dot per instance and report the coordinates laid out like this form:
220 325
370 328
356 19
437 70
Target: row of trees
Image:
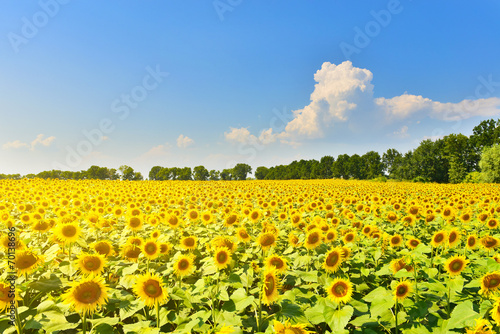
449 159
453 158
200 173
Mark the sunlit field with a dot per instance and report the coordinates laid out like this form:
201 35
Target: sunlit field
319 256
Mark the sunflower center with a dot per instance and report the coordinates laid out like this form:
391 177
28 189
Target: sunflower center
340 289
26 261
293 331
183 264
493 282
278 263
152 288
401 290
349 237
267 241
452 238
395 240
189 242
414 243
269 285
456 266
471 242
69 231
135 222
439 238
222 257
332 259
150 248
87 293
90 264
102 249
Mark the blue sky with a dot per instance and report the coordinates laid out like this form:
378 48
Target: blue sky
187 83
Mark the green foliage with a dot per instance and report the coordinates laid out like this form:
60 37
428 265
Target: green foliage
490 164
201 173
473 177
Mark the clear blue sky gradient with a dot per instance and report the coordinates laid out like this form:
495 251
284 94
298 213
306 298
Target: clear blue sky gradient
224 74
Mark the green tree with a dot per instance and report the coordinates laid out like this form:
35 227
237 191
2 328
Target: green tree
201 173
127 172
241 170
458 171
326 164
261 172
226 174
490 164
355 167
185 174
372 164
214 175
154 172
391 160
340 167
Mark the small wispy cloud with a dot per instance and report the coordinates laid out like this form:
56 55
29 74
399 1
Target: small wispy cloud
40 140
184 141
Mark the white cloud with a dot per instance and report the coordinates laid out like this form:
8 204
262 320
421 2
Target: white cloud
39 140
344 92
402 133
14 145
336 93
184 141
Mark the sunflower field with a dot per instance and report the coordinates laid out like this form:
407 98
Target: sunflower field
311 256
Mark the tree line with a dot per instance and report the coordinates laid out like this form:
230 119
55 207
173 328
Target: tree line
454 158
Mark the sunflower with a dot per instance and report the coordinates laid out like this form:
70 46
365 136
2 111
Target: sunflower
333 260
392 217
136 241
495 311
27 261
396 241
349 237
150 289
330 235
131 252
231 220
207 217
225 330
150 249
293 240
6 296
466 217
155 234
471 241
242 235
193 215
346 252
438 238
165 247
6 243
313 239
40 226
490 282
173 221
266 240
489 242
402 290
91 263
340 291
492 223
270 286
448 213
398 264
287 328
455 265
453 238
227 242
87 295
255 215
189 242
135 223
184 265
277 262
412 243
222 257
69 232
482 326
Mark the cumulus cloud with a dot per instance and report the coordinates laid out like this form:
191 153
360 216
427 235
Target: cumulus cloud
344 92
243 136
39 140
405 105
184 141
335 94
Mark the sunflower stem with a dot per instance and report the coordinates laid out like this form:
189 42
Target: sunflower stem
69 260
157 315
416 282
396 315
19 326
448 299
84 323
